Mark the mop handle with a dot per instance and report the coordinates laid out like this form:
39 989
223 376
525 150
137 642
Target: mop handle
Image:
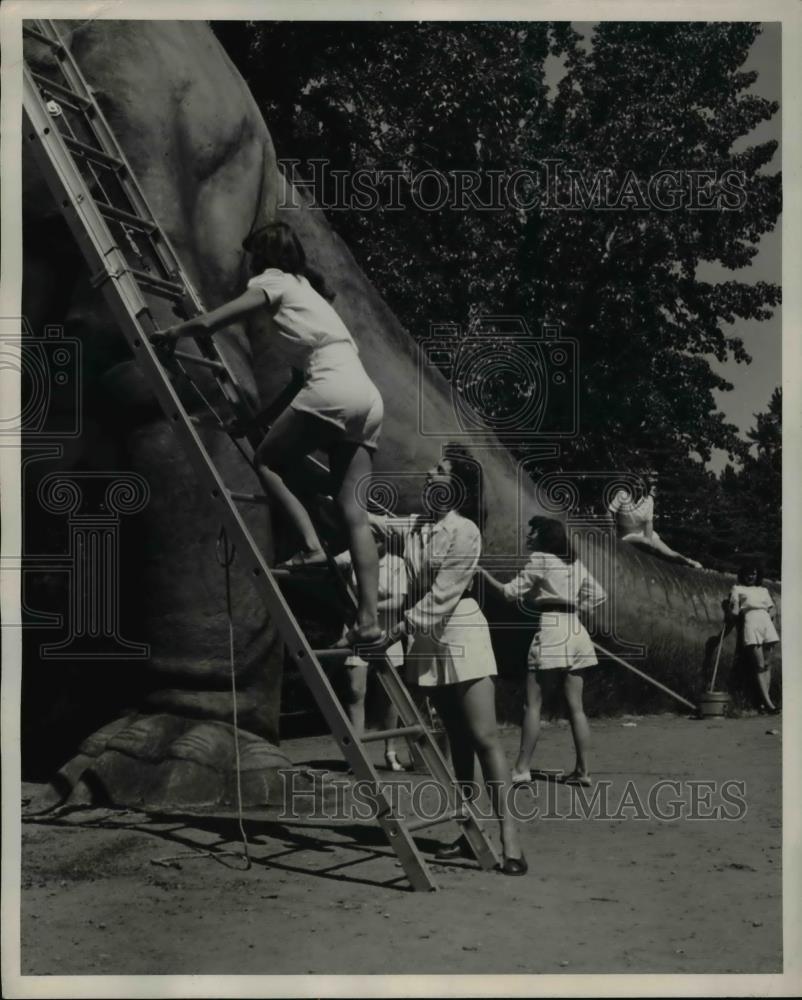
718 654
646 677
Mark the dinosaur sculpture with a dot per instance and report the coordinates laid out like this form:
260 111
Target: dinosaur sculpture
204 157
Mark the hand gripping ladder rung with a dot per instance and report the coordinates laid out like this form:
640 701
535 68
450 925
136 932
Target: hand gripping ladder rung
124 295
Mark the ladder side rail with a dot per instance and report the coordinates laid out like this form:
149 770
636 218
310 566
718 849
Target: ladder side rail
226 380
109 144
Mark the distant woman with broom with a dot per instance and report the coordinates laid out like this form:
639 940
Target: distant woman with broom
751 602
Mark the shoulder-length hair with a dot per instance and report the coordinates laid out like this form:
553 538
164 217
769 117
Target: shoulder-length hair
750 567
552 537
277 245
468 473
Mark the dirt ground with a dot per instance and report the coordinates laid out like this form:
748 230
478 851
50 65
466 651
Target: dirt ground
607 894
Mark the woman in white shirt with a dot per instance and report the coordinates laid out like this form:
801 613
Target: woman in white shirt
752 604
338 408
557 584
634 521
450 654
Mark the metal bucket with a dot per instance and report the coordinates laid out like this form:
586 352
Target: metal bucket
713 704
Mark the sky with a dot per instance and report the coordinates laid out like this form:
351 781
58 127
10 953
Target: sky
752 384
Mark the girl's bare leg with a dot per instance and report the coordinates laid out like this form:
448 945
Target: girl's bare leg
479 708
530 730
293 436
446 701
351 464
390 722
763 674
356 683
579 723
660 546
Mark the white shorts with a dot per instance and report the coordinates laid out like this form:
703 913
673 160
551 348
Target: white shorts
561 643
459 649
337 389
759 629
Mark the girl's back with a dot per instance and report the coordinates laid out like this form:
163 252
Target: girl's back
547 576
304 320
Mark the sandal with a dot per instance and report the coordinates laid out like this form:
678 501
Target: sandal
356 637
521 777
304 560
392 761
575 778
459 848
513 866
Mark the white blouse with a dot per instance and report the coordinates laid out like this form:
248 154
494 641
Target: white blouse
547 576
743 598
440 558
304 320
631 515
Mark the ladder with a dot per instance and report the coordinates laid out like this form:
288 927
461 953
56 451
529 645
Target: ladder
132 262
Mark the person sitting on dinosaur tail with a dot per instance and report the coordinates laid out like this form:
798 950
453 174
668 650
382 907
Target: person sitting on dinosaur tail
634 521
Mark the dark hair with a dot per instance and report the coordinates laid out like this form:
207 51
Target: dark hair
750 567
552 537
468 472
276 245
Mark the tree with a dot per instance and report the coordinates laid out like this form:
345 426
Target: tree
751 497
644 98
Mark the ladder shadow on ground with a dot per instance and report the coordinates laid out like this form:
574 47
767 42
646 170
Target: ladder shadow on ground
368 840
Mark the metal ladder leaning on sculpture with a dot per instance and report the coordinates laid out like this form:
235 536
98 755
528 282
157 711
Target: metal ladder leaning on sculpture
106 211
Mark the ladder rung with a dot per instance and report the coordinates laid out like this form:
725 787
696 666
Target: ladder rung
39 37
333 654
196 359
386 734
92 153
249 498
168 289
134 221
420 824
57 90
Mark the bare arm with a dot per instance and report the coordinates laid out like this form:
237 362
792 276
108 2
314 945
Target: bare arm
492 582
208 323
591 593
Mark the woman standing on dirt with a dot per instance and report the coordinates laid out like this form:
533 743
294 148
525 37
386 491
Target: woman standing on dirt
450 654
751 602
555 583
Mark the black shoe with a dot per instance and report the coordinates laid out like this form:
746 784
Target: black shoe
460 848
514 866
